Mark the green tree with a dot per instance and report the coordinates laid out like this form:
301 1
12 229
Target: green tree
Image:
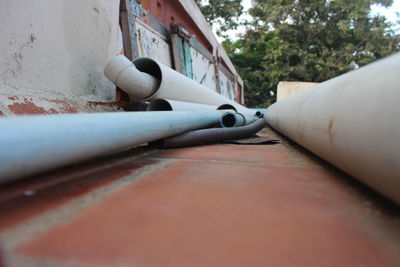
223 13
307 40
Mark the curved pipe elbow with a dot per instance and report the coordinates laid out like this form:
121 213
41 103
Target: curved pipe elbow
124 74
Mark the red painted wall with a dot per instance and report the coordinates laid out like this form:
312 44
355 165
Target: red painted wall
171 11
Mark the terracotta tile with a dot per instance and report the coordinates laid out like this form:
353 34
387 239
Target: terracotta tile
1 259
216 214
31 197
275 154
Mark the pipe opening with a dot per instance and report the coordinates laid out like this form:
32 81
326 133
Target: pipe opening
151 67
148 66
159 105
228 120
226 106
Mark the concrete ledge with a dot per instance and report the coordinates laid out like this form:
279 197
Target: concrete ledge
217 205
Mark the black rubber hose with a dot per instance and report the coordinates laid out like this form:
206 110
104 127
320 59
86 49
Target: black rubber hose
209 136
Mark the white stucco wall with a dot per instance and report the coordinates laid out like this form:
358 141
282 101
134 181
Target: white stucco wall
58 46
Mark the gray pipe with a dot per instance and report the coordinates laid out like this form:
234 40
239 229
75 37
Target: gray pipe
174 105
232 119
246 117
33 144
208 136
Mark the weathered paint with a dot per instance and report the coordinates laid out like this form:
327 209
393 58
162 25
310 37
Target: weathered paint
171 11
58 47
227 85
204 69
127 15
27 107
151 44
188 16
188 59
65 106
18 105
177 50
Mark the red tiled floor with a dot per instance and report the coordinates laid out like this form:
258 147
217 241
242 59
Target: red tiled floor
31 197
273 154
1 258
216 214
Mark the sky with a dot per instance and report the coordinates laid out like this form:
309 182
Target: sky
389 13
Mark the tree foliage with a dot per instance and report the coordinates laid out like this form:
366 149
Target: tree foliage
307 40
224 13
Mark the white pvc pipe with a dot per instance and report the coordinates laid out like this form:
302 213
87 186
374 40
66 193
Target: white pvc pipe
228 119
123 74
248 116
352 121
170 84
169 104
176 86
33 144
